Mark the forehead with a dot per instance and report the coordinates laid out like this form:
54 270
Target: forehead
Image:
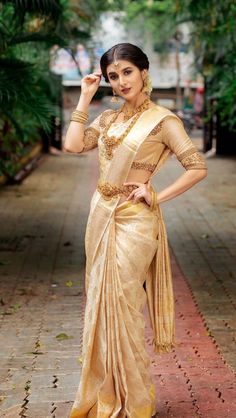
117 68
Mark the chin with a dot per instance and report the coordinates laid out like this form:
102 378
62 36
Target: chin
131 96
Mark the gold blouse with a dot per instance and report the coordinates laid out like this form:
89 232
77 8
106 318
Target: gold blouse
169 133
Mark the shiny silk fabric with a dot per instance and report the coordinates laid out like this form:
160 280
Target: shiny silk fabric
126 245
115 369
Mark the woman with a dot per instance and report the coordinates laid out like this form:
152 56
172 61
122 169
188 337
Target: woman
125 241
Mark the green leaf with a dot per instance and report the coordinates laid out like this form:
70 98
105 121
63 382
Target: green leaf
63 336
69 283
15 307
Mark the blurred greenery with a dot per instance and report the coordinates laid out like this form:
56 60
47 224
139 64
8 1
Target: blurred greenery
28 90
212 38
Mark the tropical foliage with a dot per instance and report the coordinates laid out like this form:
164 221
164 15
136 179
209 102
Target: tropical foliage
28 91
212 37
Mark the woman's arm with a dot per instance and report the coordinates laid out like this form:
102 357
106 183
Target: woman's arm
75 133
177 140
183 183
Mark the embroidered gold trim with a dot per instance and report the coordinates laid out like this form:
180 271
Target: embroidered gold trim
192 160
187 153
104 116
90 139
109 191
139 165
156 129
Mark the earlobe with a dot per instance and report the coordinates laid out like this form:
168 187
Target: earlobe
144 74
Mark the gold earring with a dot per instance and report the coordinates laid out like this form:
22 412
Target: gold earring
115 98
147 85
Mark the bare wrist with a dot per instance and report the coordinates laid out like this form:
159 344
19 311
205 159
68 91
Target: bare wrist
84 102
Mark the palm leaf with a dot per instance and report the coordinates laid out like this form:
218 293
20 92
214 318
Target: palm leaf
20 88
45 7
49 38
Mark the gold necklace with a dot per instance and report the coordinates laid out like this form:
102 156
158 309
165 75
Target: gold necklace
111 142
129 113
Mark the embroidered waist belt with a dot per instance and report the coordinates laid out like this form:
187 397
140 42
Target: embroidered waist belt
108 190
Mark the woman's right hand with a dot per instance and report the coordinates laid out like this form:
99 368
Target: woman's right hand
90 84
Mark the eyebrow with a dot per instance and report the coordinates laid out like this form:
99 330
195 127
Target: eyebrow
124 69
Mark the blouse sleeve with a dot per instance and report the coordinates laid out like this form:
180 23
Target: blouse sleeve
91 134
177 140
93 131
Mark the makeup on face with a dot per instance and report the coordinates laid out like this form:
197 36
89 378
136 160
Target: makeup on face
113 75
125 79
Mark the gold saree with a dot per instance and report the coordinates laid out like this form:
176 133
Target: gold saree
126 245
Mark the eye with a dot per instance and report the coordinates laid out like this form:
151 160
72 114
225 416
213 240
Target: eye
127 72
113 77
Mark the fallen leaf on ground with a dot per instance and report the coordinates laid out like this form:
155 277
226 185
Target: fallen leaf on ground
69 283
15 307
63 336
204 236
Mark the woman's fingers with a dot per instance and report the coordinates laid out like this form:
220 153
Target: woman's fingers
131 195
141 192
92 77
136 195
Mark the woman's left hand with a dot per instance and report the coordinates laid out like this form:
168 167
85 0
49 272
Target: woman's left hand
143 191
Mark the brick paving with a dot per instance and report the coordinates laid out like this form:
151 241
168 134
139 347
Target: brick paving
42 269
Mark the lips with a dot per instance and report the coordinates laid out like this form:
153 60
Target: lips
125 91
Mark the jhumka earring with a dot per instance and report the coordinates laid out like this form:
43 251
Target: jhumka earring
115 98
147 85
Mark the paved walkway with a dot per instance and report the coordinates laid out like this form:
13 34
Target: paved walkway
42 269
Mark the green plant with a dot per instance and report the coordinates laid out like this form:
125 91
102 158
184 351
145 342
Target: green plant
212 38
28 92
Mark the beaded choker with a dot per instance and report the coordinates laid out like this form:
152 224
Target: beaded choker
111 142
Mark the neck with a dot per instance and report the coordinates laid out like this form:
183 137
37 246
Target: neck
136 101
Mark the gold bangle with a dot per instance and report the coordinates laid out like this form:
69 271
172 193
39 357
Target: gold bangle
79 117
78 120
80 113
153 204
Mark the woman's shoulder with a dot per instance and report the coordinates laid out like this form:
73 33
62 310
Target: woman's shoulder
105 116
167 115
165 110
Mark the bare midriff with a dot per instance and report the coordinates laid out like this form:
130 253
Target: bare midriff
136 176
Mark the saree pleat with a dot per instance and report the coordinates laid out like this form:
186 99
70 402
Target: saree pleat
115 380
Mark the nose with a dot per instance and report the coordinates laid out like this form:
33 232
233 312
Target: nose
122 81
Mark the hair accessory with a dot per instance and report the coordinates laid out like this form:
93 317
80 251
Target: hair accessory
116 63
79 116
115 98
147 85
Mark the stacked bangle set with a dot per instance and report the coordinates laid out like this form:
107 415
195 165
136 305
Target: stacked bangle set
79 116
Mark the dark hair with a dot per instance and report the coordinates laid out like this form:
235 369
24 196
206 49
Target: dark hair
124 51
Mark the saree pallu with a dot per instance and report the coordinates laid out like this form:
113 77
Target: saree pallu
126 245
